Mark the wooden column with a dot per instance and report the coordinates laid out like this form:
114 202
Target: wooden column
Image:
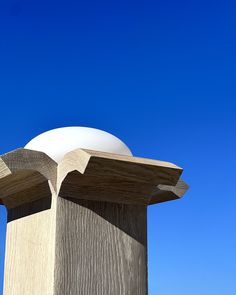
80 227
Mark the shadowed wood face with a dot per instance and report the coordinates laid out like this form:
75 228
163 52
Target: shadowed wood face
107 251
109 189
26 176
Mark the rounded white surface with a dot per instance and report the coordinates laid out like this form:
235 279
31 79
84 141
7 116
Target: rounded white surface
58 142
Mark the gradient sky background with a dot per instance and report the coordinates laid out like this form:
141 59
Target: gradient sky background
161 75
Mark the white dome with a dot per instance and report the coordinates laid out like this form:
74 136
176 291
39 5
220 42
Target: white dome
58 142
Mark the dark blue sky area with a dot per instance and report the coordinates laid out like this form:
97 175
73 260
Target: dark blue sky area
161 75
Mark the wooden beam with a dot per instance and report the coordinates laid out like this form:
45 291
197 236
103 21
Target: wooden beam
113 178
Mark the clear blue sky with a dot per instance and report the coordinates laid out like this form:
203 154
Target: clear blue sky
161 75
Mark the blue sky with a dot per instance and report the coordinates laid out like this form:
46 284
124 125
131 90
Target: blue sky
161 75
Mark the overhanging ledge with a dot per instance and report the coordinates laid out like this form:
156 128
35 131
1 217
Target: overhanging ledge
27 175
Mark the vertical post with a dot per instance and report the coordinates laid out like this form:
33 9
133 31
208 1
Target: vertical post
30 250
101 248
80 227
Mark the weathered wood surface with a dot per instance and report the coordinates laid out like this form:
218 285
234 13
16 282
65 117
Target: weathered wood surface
85 174
30 250
101 248
24 176
79 228
163 193
101 164
113 178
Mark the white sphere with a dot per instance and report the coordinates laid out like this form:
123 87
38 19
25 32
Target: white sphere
58 142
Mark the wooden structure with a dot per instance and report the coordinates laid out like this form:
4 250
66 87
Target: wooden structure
80 227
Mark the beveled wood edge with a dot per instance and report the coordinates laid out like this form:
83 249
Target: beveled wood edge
130 159
20 160
78 160
30 160
179 189
170 192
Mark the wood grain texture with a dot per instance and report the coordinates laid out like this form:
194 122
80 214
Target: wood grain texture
25 176
30 250
76 247
101 248
80 227
112 178
163 193
23 171
24 159
129 168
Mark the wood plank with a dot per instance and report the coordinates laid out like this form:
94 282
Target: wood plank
136 169
107 189
113 178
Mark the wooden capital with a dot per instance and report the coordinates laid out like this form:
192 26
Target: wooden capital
80 226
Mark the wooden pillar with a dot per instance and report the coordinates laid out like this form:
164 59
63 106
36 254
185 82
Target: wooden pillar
80 227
